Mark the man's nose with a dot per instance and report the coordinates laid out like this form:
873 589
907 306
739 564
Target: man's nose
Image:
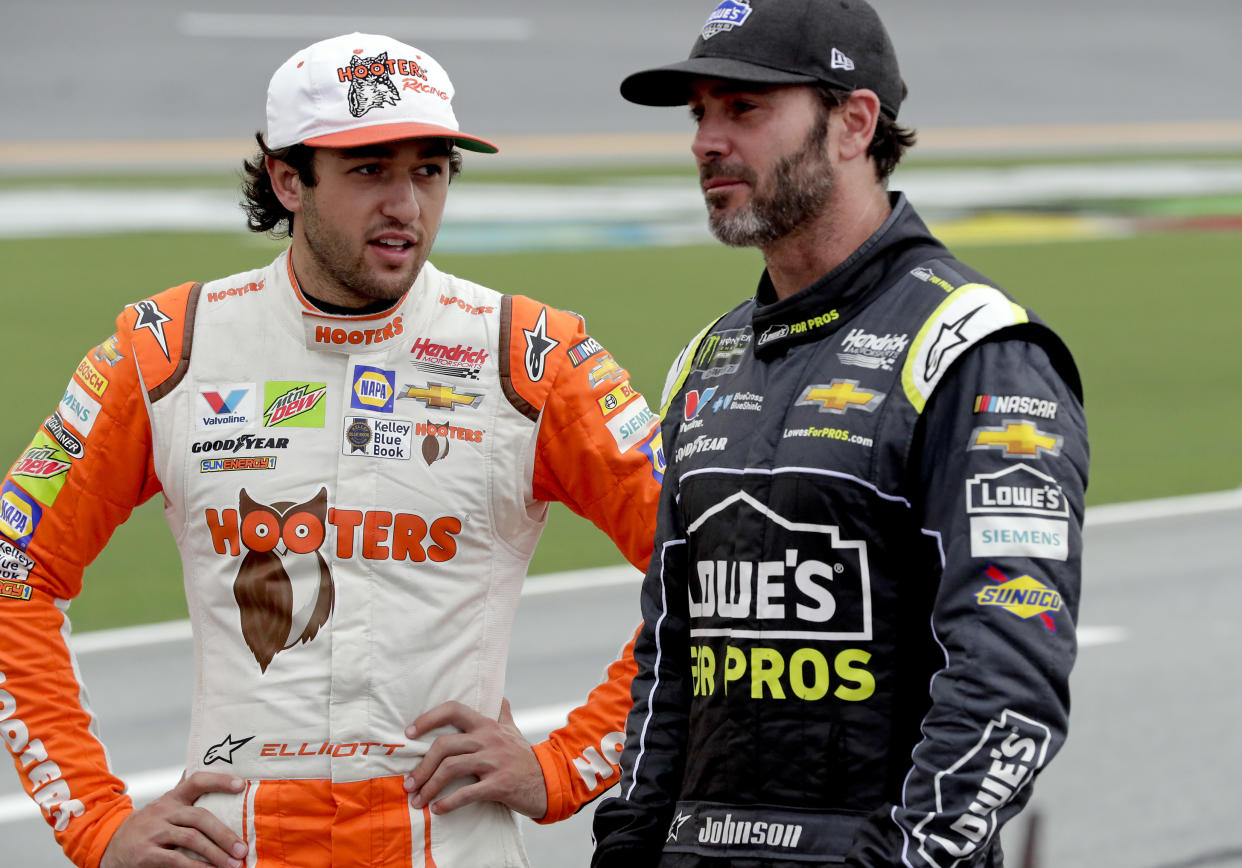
710 139
401 201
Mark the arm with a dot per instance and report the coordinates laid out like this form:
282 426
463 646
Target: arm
630 828
599 453
1005 609
84 471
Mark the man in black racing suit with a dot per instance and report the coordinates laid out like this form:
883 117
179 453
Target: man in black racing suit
859 614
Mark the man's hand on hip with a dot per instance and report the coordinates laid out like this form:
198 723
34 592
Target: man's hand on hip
494 751
154 836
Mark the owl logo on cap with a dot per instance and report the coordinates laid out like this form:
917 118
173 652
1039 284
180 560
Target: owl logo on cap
370 85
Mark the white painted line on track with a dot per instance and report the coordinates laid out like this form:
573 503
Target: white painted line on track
256 25
1165 507
147 785
534 722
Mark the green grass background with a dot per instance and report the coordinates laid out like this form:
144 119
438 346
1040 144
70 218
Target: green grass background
1152 321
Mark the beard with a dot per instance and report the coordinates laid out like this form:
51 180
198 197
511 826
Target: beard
342 262
794 193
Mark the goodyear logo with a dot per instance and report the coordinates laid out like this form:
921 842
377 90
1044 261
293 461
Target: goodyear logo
373 389
19 514
1024 597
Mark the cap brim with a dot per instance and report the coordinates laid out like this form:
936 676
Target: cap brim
380 133
670 85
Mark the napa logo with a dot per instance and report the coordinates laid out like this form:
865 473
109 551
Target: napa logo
19 514
373 389
726 16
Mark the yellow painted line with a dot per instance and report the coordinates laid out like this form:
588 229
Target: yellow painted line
1024 229
57 154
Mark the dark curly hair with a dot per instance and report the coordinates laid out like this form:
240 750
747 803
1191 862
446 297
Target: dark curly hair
264 211
891 140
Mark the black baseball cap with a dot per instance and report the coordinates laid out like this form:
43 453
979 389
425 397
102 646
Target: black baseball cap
841 43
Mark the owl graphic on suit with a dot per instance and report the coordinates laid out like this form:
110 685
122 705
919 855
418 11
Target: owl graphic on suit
284 587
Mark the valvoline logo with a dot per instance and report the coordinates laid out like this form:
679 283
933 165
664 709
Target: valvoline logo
373 389
696 401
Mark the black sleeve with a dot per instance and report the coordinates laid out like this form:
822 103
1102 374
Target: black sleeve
1001 475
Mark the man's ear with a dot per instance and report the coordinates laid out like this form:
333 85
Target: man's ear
858 116
285 183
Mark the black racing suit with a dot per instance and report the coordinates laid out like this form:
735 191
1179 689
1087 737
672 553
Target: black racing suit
859 615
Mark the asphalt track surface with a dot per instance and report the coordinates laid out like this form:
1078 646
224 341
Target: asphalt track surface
89 82
1146 780
1148 777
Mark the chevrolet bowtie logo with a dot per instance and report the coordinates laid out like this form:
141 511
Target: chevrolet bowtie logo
440 397
840 396
1016 440
607 369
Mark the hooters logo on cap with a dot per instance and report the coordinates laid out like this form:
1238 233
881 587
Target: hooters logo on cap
362 89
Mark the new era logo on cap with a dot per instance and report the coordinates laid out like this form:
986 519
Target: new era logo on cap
840 61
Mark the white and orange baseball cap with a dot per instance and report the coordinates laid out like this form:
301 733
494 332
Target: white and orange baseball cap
362 89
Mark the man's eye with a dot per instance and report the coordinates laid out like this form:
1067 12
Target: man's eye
431 169
696 114
741 107
367 169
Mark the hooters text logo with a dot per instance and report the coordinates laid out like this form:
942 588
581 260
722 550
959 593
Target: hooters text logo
336 336
284 586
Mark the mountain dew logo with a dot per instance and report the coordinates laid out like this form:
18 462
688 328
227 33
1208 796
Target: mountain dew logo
294 404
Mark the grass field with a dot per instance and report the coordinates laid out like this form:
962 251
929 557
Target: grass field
1147 317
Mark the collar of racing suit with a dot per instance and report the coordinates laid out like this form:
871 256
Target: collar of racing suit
829 303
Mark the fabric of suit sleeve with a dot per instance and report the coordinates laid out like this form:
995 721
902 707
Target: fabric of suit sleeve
630 828
1005 610
598 452
86 469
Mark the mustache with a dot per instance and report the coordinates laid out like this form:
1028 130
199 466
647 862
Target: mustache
719 169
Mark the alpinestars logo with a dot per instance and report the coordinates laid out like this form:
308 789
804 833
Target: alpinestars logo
223 752
538 345
950 336
151 318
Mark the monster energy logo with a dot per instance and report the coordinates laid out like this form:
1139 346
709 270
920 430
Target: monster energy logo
721 353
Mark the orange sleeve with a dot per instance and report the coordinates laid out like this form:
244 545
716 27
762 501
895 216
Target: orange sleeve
85 470
599 452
